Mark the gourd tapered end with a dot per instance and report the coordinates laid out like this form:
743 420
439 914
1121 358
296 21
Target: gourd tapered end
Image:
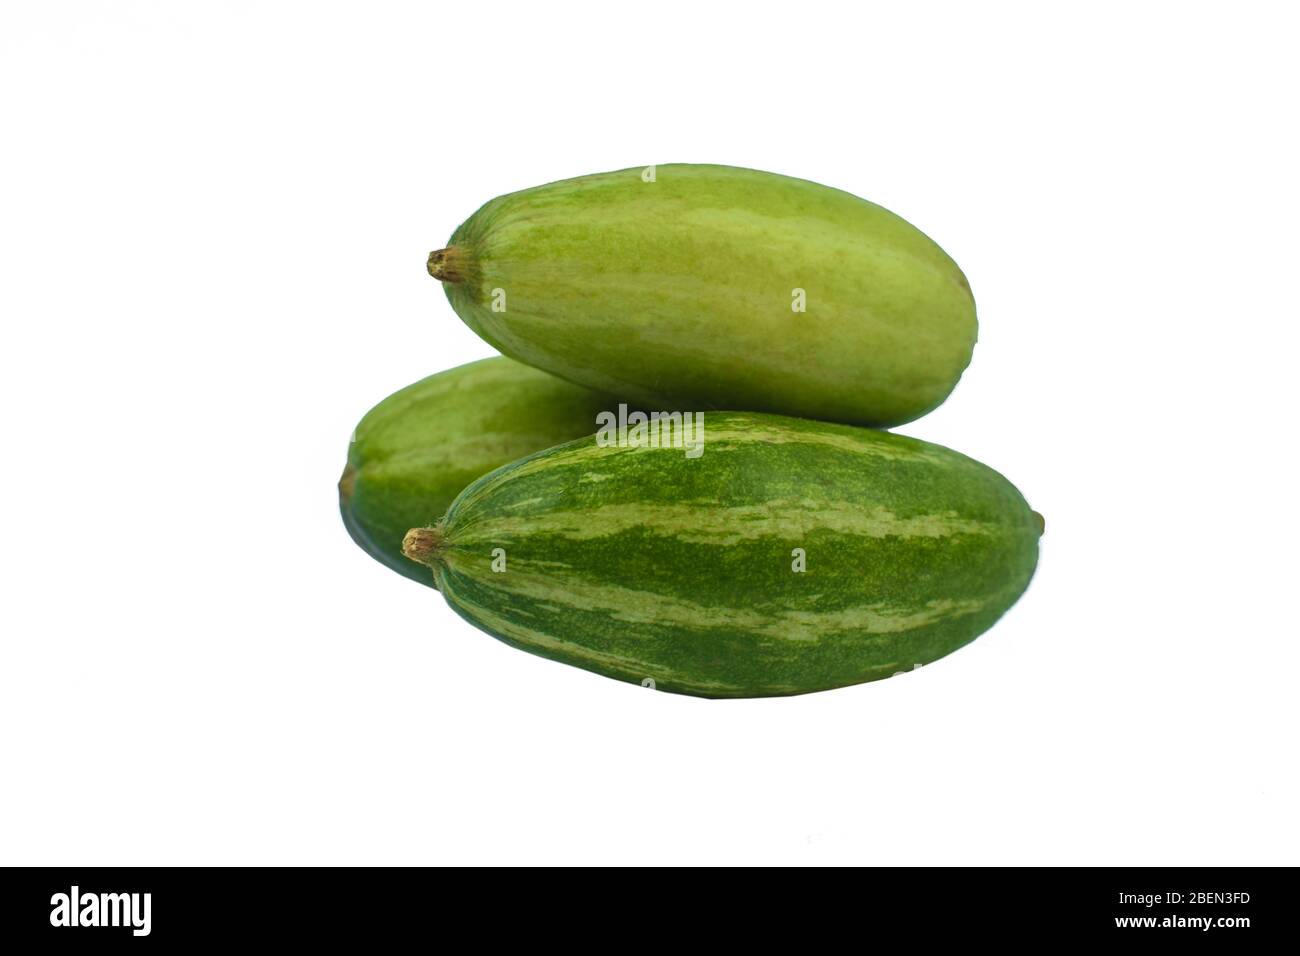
347 484
1040 522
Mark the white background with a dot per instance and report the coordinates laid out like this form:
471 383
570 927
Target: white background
212 242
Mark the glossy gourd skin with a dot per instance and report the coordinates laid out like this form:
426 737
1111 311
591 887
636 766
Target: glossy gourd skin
680 292
790 556
415 451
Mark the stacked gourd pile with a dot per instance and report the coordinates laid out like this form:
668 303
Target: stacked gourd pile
674 478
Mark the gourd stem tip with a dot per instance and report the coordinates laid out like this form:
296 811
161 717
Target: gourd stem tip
423 545
445 265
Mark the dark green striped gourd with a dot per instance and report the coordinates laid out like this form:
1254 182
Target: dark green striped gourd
790 556
417 449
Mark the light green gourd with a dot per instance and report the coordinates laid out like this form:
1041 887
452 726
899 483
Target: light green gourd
684 289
